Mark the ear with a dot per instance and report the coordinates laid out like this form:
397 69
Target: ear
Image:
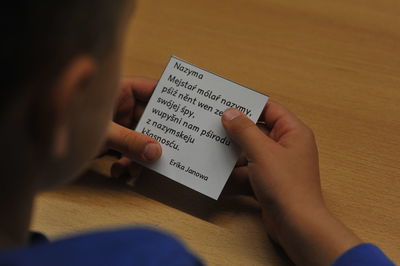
73 80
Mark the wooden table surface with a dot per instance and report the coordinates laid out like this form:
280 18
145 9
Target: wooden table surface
336 64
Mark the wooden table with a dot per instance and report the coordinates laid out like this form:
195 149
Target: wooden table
334 63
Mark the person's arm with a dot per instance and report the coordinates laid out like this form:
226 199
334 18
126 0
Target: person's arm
283 170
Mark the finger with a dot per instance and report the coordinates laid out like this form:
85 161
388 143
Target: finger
142 87
273 112
133 144
238 183
280 120
285 126
120 167
138 112
135 170
245 133
264 128
124 107
124 115
242 160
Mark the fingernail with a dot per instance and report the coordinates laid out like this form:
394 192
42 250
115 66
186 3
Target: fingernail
152 151
231 114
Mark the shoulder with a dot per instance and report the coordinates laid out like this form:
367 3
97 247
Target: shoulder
139 246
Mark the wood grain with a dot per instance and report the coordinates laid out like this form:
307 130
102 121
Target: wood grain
336 64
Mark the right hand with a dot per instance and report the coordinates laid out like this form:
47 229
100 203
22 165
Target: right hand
283 171
282 160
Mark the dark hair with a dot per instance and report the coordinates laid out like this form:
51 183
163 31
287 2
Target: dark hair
39 37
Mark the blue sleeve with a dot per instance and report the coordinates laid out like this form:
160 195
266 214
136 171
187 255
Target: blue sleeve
363 255
129 247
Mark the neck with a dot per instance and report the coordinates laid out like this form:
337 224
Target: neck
16 203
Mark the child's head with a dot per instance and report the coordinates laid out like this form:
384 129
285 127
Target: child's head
60 68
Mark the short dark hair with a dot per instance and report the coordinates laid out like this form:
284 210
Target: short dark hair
39 37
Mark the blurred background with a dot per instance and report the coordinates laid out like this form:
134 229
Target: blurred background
336 64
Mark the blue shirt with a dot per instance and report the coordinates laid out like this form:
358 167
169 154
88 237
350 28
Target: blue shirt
144 247
363 255
129 247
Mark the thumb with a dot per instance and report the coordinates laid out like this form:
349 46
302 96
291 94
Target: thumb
245 133
133 144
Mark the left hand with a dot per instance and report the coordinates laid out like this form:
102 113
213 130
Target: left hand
133 97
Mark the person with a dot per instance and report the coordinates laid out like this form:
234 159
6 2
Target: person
61 66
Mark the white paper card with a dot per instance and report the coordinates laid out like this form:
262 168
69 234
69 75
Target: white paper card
184 115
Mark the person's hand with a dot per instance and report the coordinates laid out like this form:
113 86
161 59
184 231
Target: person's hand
133 97
283 171
282 158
